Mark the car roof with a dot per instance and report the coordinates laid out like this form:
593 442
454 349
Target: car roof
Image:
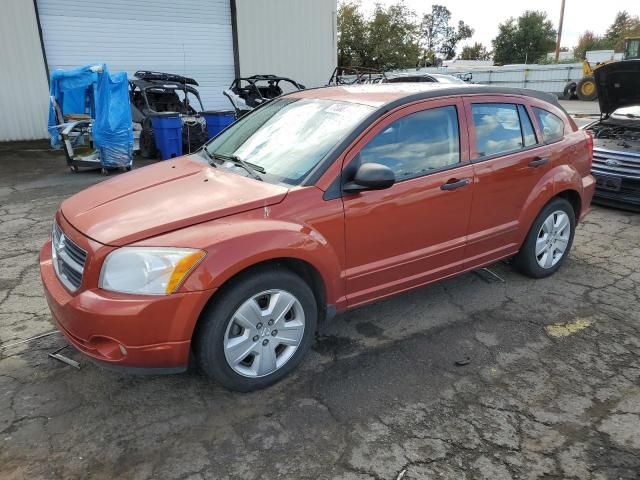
396 94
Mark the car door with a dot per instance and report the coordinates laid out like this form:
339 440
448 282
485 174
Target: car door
415 231
509 160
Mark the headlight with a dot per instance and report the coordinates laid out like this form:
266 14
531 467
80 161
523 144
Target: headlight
148 270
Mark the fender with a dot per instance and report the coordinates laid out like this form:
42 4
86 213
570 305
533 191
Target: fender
566 177
236 243
558 179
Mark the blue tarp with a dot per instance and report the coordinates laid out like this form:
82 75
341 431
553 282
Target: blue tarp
92 90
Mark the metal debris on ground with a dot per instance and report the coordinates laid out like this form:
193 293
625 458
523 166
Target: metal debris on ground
30 339
489 275
61 358
463 361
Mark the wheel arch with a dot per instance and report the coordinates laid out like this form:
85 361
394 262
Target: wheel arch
558 182
304 269
574 198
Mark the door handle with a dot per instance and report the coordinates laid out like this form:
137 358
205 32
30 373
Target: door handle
454 183
538 162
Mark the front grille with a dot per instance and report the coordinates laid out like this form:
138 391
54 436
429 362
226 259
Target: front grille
617 163
68 259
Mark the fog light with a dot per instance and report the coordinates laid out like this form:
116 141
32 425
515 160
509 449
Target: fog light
108 348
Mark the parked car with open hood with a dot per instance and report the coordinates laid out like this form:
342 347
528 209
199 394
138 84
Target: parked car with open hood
316 202
616 136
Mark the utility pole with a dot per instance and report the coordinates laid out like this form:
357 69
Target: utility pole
559 31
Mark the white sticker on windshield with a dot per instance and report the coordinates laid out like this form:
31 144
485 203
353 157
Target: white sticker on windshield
337 108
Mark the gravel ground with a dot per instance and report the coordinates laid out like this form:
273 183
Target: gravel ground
551 390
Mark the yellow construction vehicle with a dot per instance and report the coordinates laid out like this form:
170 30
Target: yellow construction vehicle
585 88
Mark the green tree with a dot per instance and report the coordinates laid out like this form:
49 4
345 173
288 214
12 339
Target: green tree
477 51
623 26
439 36
393 38
590 41
388 40
525 39
352 35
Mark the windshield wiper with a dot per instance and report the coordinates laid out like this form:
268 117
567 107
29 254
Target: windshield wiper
209 157
249 167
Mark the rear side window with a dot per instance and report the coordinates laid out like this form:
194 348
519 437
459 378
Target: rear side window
497 128
528 133
417 144
552 126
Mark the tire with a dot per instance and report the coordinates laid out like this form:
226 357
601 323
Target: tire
540 266
586 89
569 92
219 329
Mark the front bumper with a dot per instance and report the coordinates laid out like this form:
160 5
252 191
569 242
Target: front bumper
628 195
138 332
617 171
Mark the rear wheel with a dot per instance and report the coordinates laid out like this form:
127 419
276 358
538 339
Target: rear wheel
586 89
257 330
549 241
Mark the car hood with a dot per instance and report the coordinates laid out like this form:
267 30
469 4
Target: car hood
617 84
163 197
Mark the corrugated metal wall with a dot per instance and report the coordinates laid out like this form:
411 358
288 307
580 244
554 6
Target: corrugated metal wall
293 38
23 80
191 37
545 78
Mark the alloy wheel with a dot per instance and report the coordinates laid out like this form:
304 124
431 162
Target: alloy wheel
553 239
264 333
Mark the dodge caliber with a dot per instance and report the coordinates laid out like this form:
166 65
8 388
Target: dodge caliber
317 202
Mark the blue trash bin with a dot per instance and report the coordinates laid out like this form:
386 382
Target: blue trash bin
218 121
167 131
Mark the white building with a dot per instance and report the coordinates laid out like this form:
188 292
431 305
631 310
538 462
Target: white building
212 41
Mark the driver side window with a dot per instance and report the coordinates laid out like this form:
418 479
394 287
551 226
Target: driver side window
416 144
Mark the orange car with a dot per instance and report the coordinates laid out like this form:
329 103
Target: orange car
319 201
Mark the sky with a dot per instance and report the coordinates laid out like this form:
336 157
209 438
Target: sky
485 15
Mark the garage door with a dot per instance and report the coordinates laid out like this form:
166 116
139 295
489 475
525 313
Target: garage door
187 37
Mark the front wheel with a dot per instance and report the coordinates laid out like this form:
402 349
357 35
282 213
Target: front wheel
257 330
549 241
586 89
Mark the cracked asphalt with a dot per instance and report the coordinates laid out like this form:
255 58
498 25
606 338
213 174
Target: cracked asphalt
551 389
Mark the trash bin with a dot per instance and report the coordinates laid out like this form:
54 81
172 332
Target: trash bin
167 131
218 121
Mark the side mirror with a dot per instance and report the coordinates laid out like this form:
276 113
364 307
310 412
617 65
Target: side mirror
370 176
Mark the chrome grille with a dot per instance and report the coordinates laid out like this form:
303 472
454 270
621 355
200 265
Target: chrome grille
68 259
617 163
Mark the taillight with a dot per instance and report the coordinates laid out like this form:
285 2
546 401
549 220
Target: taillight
590 145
